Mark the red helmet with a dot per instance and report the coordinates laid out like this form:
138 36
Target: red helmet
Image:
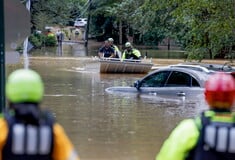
220 91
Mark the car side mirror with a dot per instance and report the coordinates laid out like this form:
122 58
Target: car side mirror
137 84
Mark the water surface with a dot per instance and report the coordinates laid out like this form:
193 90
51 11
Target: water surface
104 126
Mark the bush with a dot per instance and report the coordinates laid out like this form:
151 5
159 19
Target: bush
37 40
50 41
40 40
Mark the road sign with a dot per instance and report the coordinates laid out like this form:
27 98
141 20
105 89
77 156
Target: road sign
14 28
17 28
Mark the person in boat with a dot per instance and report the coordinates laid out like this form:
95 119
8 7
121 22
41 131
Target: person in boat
210 135
116 50
130 52
106 51
27 131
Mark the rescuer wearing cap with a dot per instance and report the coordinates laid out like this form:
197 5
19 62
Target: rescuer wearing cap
116 50
27 132
130 52
210 136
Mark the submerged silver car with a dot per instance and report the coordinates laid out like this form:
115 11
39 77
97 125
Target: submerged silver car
170 82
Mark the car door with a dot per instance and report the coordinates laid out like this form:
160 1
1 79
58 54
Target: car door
171 84
182 84
154 83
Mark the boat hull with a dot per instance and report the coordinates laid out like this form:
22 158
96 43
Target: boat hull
117 66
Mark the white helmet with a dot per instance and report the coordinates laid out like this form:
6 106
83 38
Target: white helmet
128 44
110 40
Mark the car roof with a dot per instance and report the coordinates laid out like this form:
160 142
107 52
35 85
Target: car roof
81 19
226 67
193 67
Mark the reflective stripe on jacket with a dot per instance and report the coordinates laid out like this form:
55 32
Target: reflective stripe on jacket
62 147
27 140
217 138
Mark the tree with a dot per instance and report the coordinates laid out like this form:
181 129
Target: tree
55 12
207 26
203 28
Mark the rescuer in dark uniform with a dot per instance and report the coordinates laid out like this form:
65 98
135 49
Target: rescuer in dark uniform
27 132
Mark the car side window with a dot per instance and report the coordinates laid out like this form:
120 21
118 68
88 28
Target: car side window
179 79
155 80
195 83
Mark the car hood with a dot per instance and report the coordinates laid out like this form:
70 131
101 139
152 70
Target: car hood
121 89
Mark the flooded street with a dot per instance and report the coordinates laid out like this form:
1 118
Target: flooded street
103 126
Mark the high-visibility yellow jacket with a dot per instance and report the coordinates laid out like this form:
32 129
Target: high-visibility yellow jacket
184 138
117 51
133 54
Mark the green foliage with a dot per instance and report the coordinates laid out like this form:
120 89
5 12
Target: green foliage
66 32
50 41
55 12
125 12
40 40
203 28
207 26
197 53
152 37
42 20
37 40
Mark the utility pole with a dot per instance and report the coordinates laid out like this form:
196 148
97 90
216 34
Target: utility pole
2 58
88 23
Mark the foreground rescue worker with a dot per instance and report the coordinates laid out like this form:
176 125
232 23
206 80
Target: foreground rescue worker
130 52
211 136
27 132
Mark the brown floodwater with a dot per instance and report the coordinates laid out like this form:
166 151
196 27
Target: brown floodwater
103 126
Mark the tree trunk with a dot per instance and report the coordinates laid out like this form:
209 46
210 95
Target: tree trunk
120 32
168 43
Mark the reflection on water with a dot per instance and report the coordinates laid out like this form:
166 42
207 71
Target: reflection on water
78 50
101 125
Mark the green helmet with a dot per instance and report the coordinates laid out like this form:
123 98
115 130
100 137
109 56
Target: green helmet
24 85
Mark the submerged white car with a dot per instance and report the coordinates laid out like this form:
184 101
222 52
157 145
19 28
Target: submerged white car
80 22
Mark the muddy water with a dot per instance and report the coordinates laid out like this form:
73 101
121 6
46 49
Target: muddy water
103 126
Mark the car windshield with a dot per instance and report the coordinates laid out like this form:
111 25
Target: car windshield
81 19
